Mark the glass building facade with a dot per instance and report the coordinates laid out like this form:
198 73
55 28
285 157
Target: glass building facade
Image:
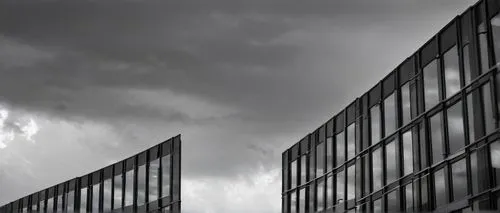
146 182
424 138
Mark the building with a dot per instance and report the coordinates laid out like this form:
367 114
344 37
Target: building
424 138
146 182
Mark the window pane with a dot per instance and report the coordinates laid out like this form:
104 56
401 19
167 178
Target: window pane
470 117
488 109
303 169
83 200
59 203
390 114
409 198
70 201
406 103
377 206
329 191
129 187
95 198
329 154
451 71
456 133
495 160
474 172
312 165
422 143
407 153
495 31
118 192
107 195
302 200
375 124
320 159
467 65
50 205
392 201
439 187
366 174
377 169
351 141
459 176
154 171
312 195
340 148
436 138
483 48
340 187
293 202
390 153
141 185
431 86
293 174
320 195
351 183
165 175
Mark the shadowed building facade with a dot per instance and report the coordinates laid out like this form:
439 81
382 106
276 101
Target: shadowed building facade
424 138
146 182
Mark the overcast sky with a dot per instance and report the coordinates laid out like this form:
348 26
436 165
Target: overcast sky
86 83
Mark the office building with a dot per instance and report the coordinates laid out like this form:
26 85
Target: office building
146 182
424 138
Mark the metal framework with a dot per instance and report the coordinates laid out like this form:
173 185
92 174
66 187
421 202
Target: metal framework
146 182
425 138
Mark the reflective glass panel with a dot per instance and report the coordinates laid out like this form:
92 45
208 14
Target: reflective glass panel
375 124
302 200
320 195
459 178
488 109
303 169
439 188
474 172
129 187
467 65
340 148
451 71
329 191
407 153
392 201
495 31
154 171
165 175
351 183
340 187
70 201
312 194
470 117
42 203
293 174
83 200
59 203
455 123
106 201
329 154
366 174
390 154
409 197
431 86
320 159
118 192
390 114
141 185
483 48
351 141
495 160
377 169
50 205
377 206
95 198
424 192
406 103
436 138
293 202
